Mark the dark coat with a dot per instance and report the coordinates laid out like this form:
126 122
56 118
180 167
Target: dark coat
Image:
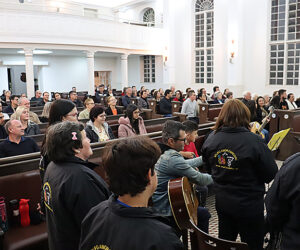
3 133
32 129
70 189
165 106
109 112
115 226
241 164
92 135
283 203
125 101
8 109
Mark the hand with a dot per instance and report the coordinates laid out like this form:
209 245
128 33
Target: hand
189 155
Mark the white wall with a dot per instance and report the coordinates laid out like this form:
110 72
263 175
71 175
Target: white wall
3 79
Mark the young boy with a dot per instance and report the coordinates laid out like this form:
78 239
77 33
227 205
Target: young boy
191 129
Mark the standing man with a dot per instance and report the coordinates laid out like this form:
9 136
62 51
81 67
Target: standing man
165 105
16 144
37 97
44 100
189 107
172 165
126 98
73 97
24 102
125 221
11 108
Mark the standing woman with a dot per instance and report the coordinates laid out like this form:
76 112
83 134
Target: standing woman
71 188
112 109
97 130
241 164
132 124
30 128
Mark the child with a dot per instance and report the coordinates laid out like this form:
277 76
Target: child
191 129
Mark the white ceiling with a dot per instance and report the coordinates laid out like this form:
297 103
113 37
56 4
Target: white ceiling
105 3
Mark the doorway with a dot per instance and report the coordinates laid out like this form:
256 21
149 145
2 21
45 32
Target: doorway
102 77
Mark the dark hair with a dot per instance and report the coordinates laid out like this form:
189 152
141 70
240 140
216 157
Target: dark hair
101 85
275 93
257 105
289 95
229 94
167 91
45 93
142 92
59 109
129 111
275 102
61 142
180 95
12 97
155 94
152 92
72 92
95 111
171 130
190 126
190 93
215 88
187 90
252 108
280 92
233 114
127 163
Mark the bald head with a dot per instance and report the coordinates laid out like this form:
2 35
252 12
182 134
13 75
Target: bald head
14 127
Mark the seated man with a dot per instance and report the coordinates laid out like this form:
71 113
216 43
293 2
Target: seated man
24 102
74 98
11 108
6 116
16 144
172 165
124 221
37 97
3 133
165 104
44 100
283 203
126 98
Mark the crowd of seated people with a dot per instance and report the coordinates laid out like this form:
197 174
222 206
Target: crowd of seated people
66 149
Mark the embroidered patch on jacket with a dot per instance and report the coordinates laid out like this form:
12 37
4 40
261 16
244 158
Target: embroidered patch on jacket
47 196
100 247
225 159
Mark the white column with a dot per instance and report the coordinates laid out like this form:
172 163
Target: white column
124 70
91 74
29 72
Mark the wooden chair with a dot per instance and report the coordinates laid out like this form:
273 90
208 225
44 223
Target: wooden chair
203 241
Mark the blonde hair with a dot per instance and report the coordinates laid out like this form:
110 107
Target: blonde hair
46 109
87 100
19 112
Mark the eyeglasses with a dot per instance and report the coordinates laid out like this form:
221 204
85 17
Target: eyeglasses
75 114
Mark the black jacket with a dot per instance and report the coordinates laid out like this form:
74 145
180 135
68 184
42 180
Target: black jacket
165 106
241 164
109 112
125 101
26 146
283 203
78 103
93 136
70 190
115 226
8 109
3 133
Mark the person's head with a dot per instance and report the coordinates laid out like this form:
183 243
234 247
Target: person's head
62 110
218 95
57 96
254 97
229 95
132 112
143 88
168 93
291 97
67 139
14 99
247 95
15 128
161 91
73 96
216 88
129 165
178 95
282 94
275 102
23 101
101 88
152 92
173 135
134 88
46 109
226 91
187 90
202 91
38 94
275 93
124 90
89 103
156 95
191 129
173 89
23 95
2 121
22 114
129 92
267 99
97 115
192 95
144 94
111 101
74 89
46 96
260 102
233 114
7 94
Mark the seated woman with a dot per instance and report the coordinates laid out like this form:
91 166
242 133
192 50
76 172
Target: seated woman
178 96
132 124
30 128
97 130
45 114
218 98
88 104
71 188
112 110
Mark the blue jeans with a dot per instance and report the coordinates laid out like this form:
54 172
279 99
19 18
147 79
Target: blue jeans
266 134
168 115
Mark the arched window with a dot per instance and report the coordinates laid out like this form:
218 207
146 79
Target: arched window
149 17
204 41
